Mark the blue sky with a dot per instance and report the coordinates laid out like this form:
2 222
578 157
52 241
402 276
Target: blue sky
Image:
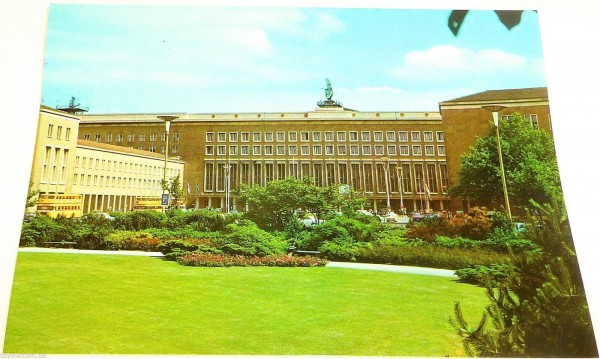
200 59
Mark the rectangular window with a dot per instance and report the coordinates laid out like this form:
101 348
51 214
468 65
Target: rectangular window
221 136
365 135
280 136
416 150
341 136
68 134
153 137
368 174
304 136
353 136
294 169
245 173
256 150
256 136
533 120
354 150
245 150
404 151
343 173
174 149
97 138
221 150
269 174
293 150
416 136
210 137
391 150
341 150
142 137
429 150
280 150
318 174
441 150
245 136
293 136
419 178
380 171
390 136
257 174
280 171
163 137
209 150
269 150
406 178
329 136
108 137
355 176
330 174
329 150
119 138
403 136
379 150
130 137
316 136
58 132
233 150
440 136
428 136
51 129
317 150
86 137
444 177
209 177
378 136
305 169
233 136
269 137
152 148
432 178
220 183
305 150
393 172
366 150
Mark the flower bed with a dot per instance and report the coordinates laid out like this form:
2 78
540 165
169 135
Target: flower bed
220 260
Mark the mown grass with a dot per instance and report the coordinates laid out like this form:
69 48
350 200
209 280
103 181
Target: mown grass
84 304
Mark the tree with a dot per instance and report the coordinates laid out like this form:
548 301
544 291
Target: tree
530 166
540 309
174 188
32 196
274 206
510 19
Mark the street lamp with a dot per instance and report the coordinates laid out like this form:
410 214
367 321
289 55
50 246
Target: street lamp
168 120
494 109
387 181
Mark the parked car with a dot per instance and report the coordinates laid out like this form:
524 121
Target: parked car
417 217
102 215
310 221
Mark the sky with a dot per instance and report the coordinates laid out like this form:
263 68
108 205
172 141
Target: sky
205 59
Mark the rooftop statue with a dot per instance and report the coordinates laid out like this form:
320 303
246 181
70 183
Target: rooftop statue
328 90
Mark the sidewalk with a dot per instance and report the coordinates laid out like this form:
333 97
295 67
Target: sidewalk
90 251
361 266
394 268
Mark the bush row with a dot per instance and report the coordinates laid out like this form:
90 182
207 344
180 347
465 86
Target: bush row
222 260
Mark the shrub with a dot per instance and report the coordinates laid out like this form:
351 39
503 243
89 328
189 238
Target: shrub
173 249
219 260
41 229
456 242
247 239
480 274
473 225
138 220
186 232
427 256
326 232
502 240
133 241
341 251
205 220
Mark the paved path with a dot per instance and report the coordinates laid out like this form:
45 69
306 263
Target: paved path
90 251
394 268
363 266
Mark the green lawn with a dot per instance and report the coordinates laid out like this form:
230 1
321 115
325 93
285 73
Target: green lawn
83 304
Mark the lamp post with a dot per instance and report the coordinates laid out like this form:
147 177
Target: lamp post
168 120
387 181
494 109
228 186
402 209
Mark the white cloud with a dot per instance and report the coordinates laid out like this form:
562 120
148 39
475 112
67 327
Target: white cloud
446 62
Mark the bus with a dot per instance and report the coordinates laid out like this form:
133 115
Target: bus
143 203
65 205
